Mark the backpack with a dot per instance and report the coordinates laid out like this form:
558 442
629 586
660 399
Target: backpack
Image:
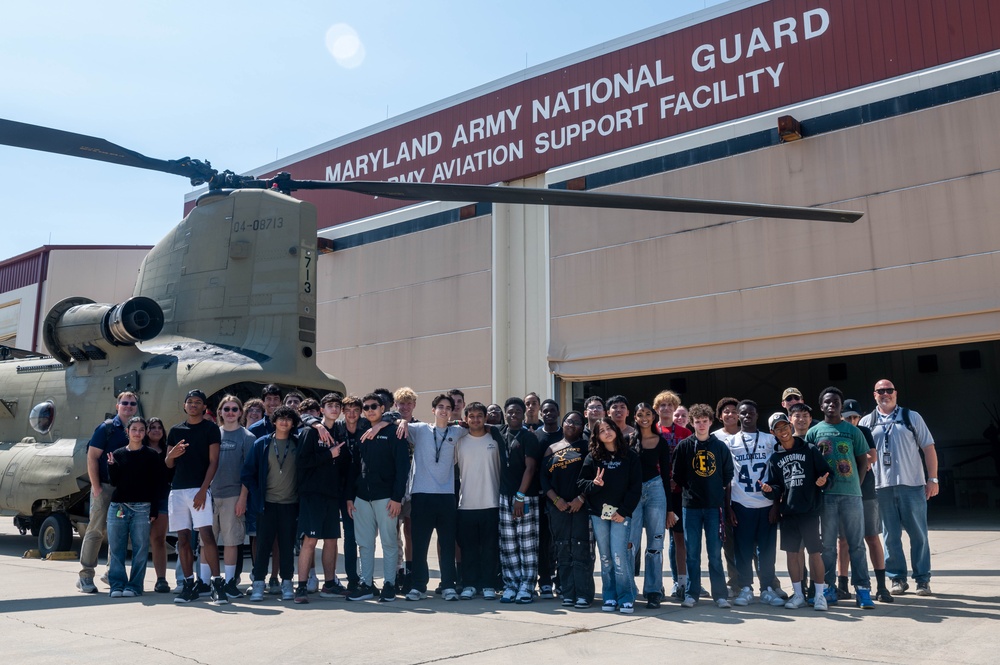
904 412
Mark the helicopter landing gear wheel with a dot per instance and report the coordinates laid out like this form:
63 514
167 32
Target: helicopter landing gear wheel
55 534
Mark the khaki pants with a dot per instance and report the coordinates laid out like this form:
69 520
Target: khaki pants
96 531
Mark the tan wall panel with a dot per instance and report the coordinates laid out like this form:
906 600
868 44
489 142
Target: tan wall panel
414 310
912 150
103 275
919 268
453 249
429 365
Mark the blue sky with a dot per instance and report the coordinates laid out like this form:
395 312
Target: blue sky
243 84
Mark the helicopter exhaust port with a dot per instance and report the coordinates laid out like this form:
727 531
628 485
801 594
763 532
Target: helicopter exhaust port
78 329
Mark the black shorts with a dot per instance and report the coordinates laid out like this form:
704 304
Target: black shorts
319 516
797 530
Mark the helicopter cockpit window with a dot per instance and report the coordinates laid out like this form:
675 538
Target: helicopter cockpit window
42 417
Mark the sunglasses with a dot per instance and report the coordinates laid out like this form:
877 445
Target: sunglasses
231 409
370 407
885 391
794 398
129 403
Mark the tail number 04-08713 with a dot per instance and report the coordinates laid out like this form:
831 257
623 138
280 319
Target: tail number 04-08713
264 224
307 284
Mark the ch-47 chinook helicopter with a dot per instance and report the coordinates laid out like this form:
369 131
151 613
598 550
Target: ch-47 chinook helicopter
226 302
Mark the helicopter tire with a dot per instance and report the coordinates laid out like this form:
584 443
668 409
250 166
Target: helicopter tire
55 534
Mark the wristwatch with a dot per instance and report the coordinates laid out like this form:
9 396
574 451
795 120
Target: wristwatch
933 480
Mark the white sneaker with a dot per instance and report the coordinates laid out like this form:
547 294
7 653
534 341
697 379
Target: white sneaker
312 584
745 597
104 578
415 594
523 595
451 594
489 594
257 591
626 608
287 591
770 597
722 603
819 603
468 593
507 597
129 593
86 585
796 602
689 601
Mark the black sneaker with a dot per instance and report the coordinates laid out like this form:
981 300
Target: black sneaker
352 586
363 592
883 596
202 587
843 594
332 589
219 596
302 594
653 600
388 593
188 593
162 586
233 591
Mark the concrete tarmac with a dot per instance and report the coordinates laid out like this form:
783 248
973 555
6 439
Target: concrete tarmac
44 619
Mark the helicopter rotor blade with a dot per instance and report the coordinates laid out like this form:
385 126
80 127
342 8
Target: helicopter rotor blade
411 191
46 139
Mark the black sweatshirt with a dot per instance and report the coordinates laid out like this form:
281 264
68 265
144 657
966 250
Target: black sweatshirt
703 469
381 467
318 472
622 483
561 470
138 477
792 476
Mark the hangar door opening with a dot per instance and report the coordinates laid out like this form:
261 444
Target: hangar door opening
955 388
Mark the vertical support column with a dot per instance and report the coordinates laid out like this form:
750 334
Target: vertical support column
520 298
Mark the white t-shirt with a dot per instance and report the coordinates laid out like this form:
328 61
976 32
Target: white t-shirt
478 459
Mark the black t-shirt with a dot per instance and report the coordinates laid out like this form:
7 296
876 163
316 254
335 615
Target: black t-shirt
515 447
190 468
137 476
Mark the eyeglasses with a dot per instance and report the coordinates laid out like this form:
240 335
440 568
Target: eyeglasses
129 403
885 391
370 407
231 409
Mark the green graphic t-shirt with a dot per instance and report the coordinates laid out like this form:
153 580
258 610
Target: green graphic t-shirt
840 445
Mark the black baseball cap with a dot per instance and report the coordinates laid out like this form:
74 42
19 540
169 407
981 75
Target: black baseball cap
196 393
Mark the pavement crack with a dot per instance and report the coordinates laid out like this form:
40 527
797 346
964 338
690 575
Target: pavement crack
107 637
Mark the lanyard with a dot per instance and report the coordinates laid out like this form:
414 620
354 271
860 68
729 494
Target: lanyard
887 423
281 461
438 446
747 448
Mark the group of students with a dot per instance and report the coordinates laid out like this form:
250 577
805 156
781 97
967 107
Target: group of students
518 495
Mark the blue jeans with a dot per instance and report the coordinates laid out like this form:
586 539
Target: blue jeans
754 534
651 513
905 507
616 559
125 521
697 520
845 515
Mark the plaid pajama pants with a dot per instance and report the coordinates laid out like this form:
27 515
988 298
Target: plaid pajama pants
519 544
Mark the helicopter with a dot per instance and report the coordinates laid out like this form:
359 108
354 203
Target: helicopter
225 303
